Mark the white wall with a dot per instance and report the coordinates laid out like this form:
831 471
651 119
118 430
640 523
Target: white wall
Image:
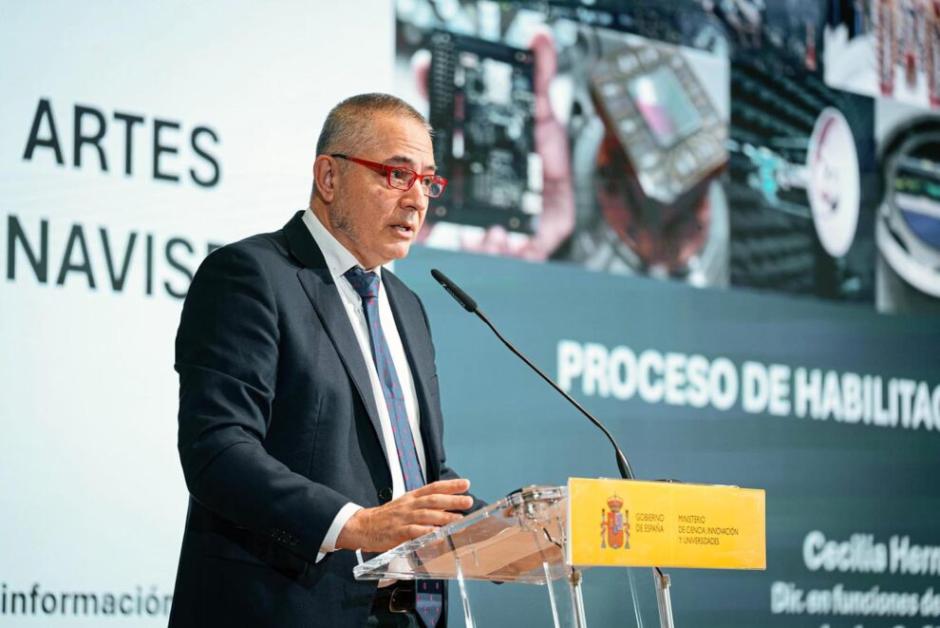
92 496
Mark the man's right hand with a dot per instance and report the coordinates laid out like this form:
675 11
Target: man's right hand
414 514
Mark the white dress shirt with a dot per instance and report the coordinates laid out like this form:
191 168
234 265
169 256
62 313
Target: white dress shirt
338 261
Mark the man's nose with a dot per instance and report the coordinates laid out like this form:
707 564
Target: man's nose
417 197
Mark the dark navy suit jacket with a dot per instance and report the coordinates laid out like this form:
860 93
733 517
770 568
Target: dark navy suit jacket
278 430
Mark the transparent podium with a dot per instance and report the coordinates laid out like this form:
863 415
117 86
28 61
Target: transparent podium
545 535
521 538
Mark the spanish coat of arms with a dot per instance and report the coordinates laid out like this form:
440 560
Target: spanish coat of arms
615 525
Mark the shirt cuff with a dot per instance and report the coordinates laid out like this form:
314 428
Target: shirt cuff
339 522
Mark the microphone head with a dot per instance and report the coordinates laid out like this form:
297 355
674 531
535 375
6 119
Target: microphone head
440 277
462 297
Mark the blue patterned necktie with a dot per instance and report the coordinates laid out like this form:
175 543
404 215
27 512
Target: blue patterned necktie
428 595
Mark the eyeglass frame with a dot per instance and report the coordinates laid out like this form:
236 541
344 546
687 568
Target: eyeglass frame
387 171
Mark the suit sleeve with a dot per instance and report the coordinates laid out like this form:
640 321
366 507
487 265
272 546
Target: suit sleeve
227 360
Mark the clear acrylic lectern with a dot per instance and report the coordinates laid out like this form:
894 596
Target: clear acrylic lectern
521 538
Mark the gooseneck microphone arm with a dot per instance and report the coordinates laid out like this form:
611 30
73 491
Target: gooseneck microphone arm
626 472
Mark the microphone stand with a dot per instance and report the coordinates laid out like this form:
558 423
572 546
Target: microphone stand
661 579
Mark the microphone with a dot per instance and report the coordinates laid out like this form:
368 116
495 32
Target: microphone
462 297
626 472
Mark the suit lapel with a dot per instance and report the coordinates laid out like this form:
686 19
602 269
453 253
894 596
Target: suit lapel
320 288
416 340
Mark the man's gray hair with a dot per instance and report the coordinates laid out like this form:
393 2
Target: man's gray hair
348 125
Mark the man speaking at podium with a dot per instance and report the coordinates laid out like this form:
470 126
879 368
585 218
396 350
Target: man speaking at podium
310 423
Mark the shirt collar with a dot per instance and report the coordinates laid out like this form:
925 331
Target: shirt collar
338 258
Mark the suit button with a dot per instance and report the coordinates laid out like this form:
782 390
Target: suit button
385 495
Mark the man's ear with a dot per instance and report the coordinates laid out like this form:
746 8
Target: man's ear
324 177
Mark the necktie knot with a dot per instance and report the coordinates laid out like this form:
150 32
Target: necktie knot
366 284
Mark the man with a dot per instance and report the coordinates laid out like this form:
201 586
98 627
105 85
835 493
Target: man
310 422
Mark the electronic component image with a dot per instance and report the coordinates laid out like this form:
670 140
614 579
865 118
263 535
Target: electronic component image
649 160
481 107
803 183
908 224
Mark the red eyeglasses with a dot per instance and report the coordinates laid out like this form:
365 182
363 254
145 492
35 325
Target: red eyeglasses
400 177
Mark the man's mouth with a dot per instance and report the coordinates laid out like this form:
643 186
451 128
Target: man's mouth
404 229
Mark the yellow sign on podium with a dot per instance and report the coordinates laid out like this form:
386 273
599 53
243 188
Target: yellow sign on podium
621 523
